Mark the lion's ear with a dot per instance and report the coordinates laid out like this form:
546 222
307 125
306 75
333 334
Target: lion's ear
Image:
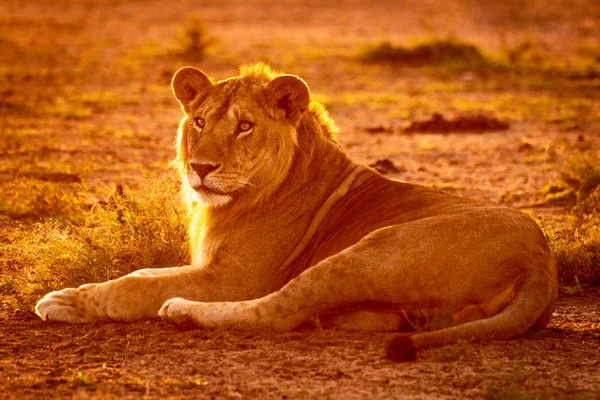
188 84
290 94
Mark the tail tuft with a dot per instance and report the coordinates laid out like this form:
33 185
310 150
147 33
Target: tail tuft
401 348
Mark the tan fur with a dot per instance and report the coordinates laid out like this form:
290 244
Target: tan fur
286 229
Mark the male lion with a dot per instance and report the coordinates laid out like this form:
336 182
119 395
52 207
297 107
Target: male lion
285 228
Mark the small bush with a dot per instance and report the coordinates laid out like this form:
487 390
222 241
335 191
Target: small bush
141 228
436 52
462 123
194 42
578 183
577 245
577 251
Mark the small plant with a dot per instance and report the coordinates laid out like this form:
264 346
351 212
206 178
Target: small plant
577 251
436 52
194 41
579 182
577 245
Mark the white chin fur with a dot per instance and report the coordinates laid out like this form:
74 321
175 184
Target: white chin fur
213 199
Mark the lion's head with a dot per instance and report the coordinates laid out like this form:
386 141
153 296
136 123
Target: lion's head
239 136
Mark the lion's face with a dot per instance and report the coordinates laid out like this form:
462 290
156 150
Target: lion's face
238 138
233 145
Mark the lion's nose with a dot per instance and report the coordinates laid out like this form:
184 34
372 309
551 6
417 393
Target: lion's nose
203 169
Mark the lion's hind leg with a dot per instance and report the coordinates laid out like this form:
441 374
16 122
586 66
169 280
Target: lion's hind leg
346 282
363 320
246 315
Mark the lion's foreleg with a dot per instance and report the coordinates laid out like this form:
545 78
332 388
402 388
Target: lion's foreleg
162 271
133 297
332 285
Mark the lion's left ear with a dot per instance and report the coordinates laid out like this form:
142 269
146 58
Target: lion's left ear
290 94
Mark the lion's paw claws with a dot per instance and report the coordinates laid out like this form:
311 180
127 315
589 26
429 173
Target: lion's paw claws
177 312
63 306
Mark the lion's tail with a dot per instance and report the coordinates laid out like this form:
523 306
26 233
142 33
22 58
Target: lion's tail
524 313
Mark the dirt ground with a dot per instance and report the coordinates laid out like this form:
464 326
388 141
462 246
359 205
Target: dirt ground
84 91
155 360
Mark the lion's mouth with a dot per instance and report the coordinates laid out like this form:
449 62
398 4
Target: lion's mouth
206 189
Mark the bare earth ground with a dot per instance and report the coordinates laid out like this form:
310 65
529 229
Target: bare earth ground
153 359
84 90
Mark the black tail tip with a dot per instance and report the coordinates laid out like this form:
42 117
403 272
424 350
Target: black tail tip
401 348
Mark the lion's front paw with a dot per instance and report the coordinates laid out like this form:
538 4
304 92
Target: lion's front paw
67 305
193 314
179 312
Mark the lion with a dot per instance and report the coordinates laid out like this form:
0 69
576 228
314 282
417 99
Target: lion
286 230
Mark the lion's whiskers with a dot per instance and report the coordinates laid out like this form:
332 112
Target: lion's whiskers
244 184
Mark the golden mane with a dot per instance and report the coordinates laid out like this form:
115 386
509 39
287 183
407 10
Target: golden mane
263 73
260 71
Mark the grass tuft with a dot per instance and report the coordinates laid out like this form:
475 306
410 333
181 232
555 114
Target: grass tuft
582 175
194 41
577 250
137 228
578 183
30 198
577 245
435 52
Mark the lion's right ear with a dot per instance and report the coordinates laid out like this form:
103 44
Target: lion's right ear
290 94
189 84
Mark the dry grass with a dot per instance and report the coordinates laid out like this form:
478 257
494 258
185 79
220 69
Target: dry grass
136 228
580 176
577 250
30 198
577 246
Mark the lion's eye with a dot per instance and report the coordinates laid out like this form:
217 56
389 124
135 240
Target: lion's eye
199 124
244 126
